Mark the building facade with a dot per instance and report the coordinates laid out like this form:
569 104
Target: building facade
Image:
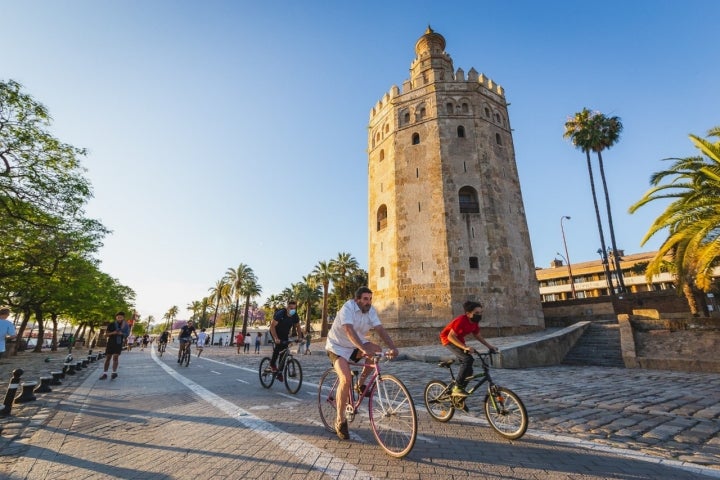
446 216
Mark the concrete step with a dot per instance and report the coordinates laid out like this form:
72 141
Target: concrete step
599 346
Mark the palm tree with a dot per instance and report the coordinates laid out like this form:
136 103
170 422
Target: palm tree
323 274
220 294
194 307
606 133
580 132
250 289
170 315
692 219
308 292
237 278
343 266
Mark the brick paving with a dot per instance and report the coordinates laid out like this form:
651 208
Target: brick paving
664 418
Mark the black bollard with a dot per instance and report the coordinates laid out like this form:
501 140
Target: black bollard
78 365
56 376
27 394
85 362
44 386
69 369
11 391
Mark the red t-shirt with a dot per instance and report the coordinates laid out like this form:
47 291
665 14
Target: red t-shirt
461 326
239 338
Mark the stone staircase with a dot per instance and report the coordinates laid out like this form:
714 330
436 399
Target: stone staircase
599 346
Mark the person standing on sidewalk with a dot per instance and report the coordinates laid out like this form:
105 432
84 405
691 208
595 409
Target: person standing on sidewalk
7 329
116 333
257 342
453 338
246 344
239 341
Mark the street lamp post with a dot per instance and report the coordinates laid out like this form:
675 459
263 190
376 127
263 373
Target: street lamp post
606 268
567 256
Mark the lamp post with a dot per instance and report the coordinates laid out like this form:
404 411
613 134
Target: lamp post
606 269
567 256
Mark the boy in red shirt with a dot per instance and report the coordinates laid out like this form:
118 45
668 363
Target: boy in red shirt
453 337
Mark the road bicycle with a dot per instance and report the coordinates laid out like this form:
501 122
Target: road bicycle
185 355
161 348
503 408
391 410
288 368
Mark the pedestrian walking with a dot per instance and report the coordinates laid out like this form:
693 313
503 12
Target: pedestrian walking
257 342
246 347
7 329
239 341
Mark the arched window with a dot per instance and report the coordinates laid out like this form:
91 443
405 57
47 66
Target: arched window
461 131
467 197
382 155
382 271
498 139
449 108
377 137
406 118
387 128
381 217
487 112
465 108
416 139
474 263
422 113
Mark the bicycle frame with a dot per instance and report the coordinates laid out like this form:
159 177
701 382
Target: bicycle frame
370 386
484 377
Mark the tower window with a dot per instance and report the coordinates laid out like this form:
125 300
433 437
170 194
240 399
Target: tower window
422 113
487 112
474 263
461 131
406 118
449 108
387 128
381 217
498 140
382 155
382 272
416 139
468 200
465 108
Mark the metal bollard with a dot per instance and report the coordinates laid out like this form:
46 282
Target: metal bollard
44 386
27 392
85 362
69 369
11 391
78 365
56 376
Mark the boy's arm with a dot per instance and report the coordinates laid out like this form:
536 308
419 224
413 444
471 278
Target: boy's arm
485 342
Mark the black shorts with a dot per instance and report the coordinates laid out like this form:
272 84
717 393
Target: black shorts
113 348
356 356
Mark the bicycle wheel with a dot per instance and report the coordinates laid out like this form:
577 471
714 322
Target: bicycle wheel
161 350
510 418
186 357
438 401
293 375
267 377
392 416
326 399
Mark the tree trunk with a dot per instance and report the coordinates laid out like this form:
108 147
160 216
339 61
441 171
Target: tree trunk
54 345
616 255
232 330
245 315
611 289
41 330
324 323
690 297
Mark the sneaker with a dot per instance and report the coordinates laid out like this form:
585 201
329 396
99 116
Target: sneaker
459 391
273 369
341 428
103 376
113 376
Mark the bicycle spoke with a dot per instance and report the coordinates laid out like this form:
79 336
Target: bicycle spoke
393 417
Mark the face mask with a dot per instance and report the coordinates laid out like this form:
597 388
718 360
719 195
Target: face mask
477 317
292 312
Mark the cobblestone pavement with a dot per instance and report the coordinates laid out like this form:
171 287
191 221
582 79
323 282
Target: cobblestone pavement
585 422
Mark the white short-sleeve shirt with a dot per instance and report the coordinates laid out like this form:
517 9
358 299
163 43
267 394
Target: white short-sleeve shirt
350 314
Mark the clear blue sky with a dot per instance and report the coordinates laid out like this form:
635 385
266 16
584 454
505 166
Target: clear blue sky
227 132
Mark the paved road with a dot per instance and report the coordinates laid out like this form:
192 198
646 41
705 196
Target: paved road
213 420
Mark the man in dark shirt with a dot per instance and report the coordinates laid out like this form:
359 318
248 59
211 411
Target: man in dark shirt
283 321
185 337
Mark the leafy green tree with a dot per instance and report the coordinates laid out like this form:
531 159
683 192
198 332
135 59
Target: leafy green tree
581 131
171 315
220 296
343 267
308 293
250 290
692 219
238 278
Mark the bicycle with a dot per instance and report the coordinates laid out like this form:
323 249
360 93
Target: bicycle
503 408
161 348
185 354
390 407
288 367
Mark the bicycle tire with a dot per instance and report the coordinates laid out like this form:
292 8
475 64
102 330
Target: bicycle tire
326 399
293 375
392 416
161 350
511 420
267 377
186 357
438 401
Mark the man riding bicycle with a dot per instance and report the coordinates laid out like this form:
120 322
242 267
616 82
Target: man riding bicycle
283 321
163 340
185 337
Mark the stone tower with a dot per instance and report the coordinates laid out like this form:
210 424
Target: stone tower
446 216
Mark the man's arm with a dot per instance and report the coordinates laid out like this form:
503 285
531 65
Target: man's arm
386 338
273 332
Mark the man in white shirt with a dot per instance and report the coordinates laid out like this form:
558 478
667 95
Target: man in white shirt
346 342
